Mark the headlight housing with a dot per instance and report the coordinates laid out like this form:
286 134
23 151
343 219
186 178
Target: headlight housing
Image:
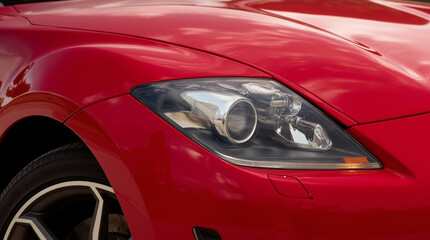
254 122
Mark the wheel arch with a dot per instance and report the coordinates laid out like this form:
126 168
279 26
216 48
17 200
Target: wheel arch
29 138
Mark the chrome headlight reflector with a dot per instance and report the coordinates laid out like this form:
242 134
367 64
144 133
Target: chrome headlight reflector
233 116
254 122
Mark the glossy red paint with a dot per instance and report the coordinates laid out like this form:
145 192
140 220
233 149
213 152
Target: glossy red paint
7 12
56 72
355 56
289 186
163 178
358 61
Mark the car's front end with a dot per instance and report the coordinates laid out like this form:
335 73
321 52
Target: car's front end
232 119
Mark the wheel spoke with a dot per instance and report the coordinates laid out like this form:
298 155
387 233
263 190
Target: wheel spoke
44 212
100 225
38 226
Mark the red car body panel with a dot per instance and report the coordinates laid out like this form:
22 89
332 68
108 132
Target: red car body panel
166 181
356 56
54 72
77 61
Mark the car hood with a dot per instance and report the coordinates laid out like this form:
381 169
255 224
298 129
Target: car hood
370 60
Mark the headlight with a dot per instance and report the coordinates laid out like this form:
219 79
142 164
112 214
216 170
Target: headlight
254 122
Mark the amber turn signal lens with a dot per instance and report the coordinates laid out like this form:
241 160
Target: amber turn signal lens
356 160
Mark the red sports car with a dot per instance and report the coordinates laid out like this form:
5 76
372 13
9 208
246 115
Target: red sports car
214 119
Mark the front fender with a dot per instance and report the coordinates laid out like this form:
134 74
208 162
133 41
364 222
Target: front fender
57 78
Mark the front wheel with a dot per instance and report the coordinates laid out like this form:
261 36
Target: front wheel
62 195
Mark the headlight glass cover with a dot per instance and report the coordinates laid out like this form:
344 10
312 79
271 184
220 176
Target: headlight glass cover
254 122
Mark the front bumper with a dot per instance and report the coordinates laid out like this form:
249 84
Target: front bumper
167 184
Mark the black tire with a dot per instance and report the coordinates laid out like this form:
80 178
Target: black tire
65 183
